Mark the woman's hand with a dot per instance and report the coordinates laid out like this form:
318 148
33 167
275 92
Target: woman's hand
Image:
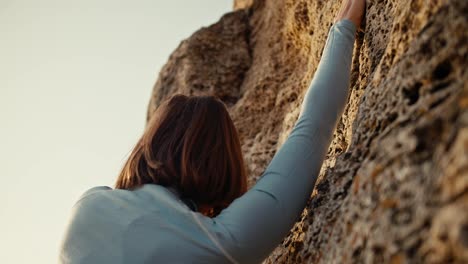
353 10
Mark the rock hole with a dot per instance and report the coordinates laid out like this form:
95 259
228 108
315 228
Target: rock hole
318 201
229 100
292 97
323 187
339 196
357 252
443 236
463 235
378 253
407 195
378 126
347 155
404 28
442 43
298 245
392 117
199 86
272 142
402 216
301 15
413 249
426 48
442 70
412 93
428 136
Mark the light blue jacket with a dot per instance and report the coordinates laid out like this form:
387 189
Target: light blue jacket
152 225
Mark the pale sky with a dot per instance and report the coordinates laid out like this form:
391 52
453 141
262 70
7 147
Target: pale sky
75 81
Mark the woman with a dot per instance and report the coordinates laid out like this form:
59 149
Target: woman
181 196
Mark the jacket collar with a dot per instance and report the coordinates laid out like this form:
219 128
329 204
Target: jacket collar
189 202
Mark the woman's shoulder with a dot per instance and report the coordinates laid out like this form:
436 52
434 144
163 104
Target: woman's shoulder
92 192
148 197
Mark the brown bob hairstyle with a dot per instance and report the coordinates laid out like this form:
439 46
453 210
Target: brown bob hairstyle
189 143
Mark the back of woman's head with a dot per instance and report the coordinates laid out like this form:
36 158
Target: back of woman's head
190 143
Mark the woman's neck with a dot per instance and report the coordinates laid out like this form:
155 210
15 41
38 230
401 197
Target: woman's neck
206 210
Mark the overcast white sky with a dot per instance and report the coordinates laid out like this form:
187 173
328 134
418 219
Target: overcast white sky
75 81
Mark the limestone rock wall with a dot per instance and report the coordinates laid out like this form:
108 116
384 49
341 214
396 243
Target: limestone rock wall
394 185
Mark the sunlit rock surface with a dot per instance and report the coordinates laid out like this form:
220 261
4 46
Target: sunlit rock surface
394 186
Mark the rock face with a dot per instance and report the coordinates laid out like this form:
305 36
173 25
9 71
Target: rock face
394 185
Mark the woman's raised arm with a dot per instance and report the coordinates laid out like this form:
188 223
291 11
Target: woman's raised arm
254 224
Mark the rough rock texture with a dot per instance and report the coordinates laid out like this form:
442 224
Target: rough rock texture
394 186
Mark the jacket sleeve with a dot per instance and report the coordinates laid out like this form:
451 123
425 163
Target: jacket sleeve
258 221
